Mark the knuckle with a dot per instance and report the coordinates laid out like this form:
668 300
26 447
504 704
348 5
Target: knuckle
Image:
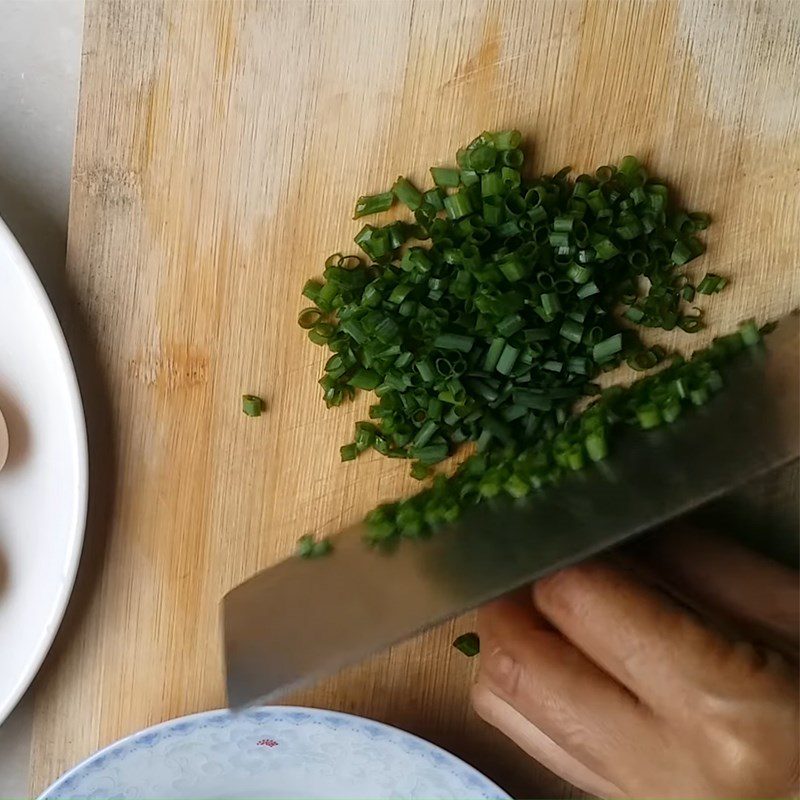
753 753
502 672
744 763
561 589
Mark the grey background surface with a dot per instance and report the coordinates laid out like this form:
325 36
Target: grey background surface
40 60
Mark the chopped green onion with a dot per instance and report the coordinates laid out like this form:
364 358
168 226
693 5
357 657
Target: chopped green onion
491 185
572 331
533 400
482 158
454 341
691 324
501 318
648 415
425 370
579 274
373 241
457 205
634 314
550 303
711 284
407 193
365 435
513 269
608 348
506 140
373 203
252 405
681 253
348 452
587 290
605 249
309 547
311 290
365 379
309 317
512 158
430 454
507 359
749 333
596 446
446 177
469 644
643 360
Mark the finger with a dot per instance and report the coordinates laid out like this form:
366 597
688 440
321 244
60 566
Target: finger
545 678
516 606
729 578
526 735
649 644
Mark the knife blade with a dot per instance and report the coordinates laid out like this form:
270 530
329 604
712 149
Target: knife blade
301 620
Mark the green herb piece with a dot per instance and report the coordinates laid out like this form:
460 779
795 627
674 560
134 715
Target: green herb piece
711 284
373 203
469 644
505 140
420 471
457 205
309 547
749 333
407 193
454 341
348 452
446 177
252 405
605 350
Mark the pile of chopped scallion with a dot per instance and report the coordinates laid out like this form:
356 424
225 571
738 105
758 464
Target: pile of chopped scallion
517 470
486 318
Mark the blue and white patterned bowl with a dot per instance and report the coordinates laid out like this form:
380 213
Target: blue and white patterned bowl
275 752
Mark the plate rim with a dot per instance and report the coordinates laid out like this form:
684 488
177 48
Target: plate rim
200 716
20 261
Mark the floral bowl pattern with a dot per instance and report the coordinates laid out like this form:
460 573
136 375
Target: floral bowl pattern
272 752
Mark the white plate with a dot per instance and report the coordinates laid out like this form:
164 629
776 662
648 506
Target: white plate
43 486
276 752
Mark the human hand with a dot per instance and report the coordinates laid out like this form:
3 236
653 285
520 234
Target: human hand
612 685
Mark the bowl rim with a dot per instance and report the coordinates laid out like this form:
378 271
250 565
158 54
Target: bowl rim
190 721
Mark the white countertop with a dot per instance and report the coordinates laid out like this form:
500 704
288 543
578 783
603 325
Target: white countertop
40 61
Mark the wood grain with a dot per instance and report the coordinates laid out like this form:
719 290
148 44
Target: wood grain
219 151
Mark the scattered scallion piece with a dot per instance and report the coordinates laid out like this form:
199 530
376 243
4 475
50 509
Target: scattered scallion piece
750 333
407 193
348 452
607 349
252 405
373 203
711 284
469 644
309 547
446 177
420 471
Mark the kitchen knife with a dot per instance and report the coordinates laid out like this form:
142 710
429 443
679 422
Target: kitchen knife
303 619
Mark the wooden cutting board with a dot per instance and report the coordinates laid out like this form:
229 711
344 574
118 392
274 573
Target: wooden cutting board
220 148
